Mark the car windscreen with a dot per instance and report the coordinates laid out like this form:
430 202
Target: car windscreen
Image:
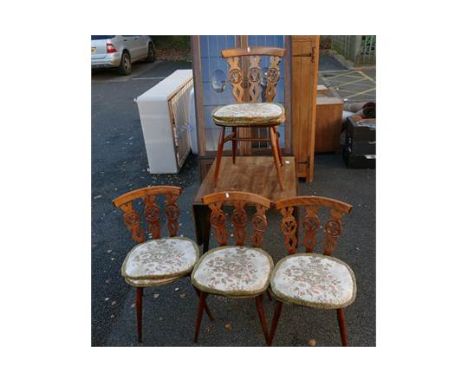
101 37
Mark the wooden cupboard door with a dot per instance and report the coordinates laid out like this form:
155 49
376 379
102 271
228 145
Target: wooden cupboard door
305 51
329 114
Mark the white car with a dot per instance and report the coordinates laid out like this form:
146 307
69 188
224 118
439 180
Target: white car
112 51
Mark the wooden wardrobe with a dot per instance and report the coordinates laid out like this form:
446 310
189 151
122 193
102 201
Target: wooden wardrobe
304 68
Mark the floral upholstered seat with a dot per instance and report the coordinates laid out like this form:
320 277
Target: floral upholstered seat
233 271
160 261
144 283
314 280
250 114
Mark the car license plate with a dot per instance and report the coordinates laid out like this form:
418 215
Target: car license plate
93 49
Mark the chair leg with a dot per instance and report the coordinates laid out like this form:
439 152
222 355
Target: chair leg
207 310
201 307
139 311
274 147
279 149
234 144
274 322
261 315
342 323
219 154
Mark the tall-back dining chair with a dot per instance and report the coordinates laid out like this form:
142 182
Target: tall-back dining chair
156 260
312 279
235 271
249 111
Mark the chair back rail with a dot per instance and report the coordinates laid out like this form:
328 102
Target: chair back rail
239 200
151 212
311 221
250 78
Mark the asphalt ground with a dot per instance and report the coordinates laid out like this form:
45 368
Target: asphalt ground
354 85
119 164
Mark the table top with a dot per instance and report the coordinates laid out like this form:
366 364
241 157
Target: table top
328 96
256 174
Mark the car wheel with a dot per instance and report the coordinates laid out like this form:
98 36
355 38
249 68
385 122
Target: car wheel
151 53
125 67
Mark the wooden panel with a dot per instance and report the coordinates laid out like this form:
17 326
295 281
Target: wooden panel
256 50
304 90
328 125
251 174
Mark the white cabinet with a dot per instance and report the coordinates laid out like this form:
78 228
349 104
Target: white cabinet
164 116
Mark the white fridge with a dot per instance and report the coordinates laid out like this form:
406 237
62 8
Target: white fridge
164 114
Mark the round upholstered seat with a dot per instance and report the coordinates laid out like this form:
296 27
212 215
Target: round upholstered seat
249 114
233 271
145 283
160 261
314 280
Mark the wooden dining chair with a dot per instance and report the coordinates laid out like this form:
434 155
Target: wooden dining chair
249 112
157 260
235 271
312 279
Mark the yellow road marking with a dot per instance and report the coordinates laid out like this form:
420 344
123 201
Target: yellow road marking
354 76
340 75
351 82
369 78
363 92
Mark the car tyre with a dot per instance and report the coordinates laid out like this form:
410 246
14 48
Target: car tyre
125 66
151 53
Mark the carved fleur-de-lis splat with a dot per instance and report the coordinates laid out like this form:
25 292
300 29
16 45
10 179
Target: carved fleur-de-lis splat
132 221
273 76
289 229
239 220
235 78
152 216
333 229
259 222
172 214
218 222
311 225
254 77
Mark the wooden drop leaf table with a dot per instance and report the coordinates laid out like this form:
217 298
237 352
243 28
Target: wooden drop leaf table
254 174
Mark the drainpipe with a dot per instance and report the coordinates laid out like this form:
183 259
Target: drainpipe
356 48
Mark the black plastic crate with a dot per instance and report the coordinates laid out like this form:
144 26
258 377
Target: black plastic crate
360 161
360 129
360 145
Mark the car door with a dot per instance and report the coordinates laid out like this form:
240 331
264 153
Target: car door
140 46
130 43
